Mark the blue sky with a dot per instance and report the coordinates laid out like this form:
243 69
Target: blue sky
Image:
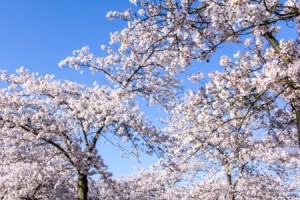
38 34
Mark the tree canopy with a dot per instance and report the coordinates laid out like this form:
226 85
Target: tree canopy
237 136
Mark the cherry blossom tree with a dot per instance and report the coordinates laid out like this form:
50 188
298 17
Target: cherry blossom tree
164 37
235 138
63 121
241 127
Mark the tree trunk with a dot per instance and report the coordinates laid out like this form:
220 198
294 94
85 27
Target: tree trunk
229 180
82 187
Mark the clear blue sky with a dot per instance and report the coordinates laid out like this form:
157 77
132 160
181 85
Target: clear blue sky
37 34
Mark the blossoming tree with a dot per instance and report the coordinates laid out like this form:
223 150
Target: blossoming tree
164 37
235 139
69 118
237 119
240 128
